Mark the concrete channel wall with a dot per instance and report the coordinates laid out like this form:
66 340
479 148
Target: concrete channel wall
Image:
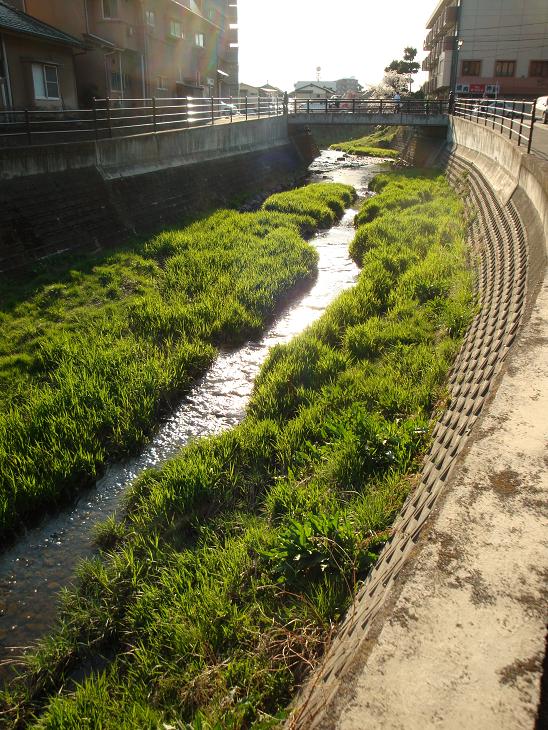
504 164
87 196
146 152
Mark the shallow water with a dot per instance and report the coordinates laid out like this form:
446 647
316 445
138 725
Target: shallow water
43 560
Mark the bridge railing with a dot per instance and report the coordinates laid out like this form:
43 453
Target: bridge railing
116 118
422 107
515 119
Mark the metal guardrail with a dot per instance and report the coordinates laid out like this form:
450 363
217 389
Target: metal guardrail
423 107
114 118
516 119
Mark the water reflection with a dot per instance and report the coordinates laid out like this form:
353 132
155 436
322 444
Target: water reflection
42 561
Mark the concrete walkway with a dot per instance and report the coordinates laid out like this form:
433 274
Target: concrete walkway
449 630
464 645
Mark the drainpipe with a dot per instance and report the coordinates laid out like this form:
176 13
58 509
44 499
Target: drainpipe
86 15
144 55
121 74
6 66
107 72
455 58
143 82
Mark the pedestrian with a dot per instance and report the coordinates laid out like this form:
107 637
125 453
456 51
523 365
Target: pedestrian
396 99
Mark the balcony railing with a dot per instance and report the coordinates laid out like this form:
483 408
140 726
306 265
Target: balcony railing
119 118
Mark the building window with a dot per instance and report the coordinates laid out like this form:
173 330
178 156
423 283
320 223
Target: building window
110 9
46 83
150 18
505 68
538 68
116 81
199 39
175 29
471 68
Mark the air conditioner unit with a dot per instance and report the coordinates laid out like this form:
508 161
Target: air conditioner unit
492 89
462 88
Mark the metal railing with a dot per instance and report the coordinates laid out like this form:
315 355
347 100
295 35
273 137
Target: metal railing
421 107
115 118
515 119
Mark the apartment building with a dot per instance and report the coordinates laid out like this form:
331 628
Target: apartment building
142 48
342 86
487 47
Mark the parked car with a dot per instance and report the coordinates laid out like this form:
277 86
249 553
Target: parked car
541 109
496 108
228 110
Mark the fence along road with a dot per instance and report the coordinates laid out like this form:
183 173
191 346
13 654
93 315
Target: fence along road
115 118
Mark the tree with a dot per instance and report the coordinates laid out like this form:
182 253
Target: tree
392 82
406 66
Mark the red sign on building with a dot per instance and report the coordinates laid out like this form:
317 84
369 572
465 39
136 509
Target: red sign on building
477 88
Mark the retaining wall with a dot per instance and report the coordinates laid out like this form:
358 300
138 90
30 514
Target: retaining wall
503 163
89 195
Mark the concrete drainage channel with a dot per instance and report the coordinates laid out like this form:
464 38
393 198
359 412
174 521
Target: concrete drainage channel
498 242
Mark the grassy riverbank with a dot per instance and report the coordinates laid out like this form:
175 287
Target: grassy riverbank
216 595
90 360
377 144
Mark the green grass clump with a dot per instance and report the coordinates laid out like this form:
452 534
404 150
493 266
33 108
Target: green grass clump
220 587
90 358
324 203
377 144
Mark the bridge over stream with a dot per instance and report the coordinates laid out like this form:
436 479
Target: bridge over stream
370 112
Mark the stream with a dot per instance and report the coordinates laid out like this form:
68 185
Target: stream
43 560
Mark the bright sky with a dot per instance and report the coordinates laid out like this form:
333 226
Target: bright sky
282 41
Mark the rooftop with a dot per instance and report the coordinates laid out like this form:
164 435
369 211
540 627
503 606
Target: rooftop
16 21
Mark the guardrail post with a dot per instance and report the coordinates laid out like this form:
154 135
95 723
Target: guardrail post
354 105
380 109
94 107
230 107
259 105
109 120
521 122
308 106
27 126
212 110
154 113
531 129
326 104
512 120
245 102
294 105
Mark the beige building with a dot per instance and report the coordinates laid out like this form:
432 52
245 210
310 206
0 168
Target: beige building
131 49
487 47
